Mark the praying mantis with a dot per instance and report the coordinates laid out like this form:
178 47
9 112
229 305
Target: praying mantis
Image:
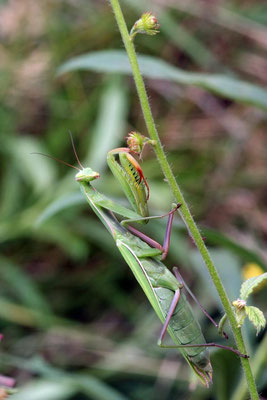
144 257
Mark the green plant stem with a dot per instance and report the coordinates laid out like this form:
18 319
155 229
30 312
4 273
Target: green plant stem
257 366
184 210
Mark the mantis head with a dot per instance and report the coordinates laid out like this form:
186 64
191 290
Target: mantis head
86 175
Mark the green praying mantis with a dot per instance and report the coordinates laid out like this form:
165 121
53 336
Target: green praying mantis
144 256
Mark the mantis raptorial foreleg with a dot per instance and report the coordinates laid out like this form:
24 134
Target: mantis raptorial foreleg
166 244
129 173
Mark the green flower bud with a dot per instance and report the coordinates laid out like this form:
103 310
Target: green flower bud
147 24
136 142
239 304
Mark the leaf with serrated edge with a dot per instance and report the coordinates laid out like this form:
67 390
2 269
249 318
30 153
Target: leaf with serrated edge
256 316
249 285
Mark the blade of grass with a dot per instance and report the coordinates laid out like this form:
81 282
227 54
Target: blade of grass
110 61
23 286
61 383
110 124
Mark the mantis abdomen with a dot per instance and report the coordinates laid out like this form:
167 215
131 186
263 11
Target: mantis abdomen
184 326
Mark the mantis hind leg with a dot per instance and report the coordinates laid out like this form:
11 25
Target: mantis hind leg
204 345
173 305
180 280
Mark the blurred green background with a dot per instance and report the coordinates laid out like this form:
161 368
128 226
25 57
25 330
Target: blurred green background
76 324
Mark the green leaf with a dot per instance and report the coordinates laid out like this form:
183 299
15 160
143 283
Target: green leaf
23 286
110 125
38 171
111 61
95 388
63 202
249 285
57 385
222 322
45 390
62 234
256 316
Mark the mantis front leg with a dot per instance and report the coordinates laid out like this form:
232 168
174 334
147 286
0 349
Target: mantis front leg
151 242
130 175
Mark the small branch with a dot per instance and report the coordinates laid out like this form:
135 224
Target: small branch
184 210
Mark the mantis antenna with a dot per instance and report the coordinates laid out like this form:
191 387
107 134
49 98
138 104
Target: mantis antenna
74 150
56 159
64 162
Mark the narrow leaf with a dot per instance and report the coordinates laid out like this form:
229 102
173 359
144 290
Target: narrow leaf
95 388
110 61
23 286
249 285
110 125
35 169
256 316
45 390
63 202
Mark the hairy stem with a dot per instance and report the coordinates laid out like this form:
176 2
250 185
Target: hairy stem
184 210
257 366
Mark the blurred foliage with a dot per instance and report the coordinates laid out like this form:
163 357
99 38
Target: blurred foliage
75 323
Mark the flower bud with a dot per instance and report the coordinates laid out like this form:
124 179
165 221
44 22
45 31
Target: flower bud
239 304
136 142
147 24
